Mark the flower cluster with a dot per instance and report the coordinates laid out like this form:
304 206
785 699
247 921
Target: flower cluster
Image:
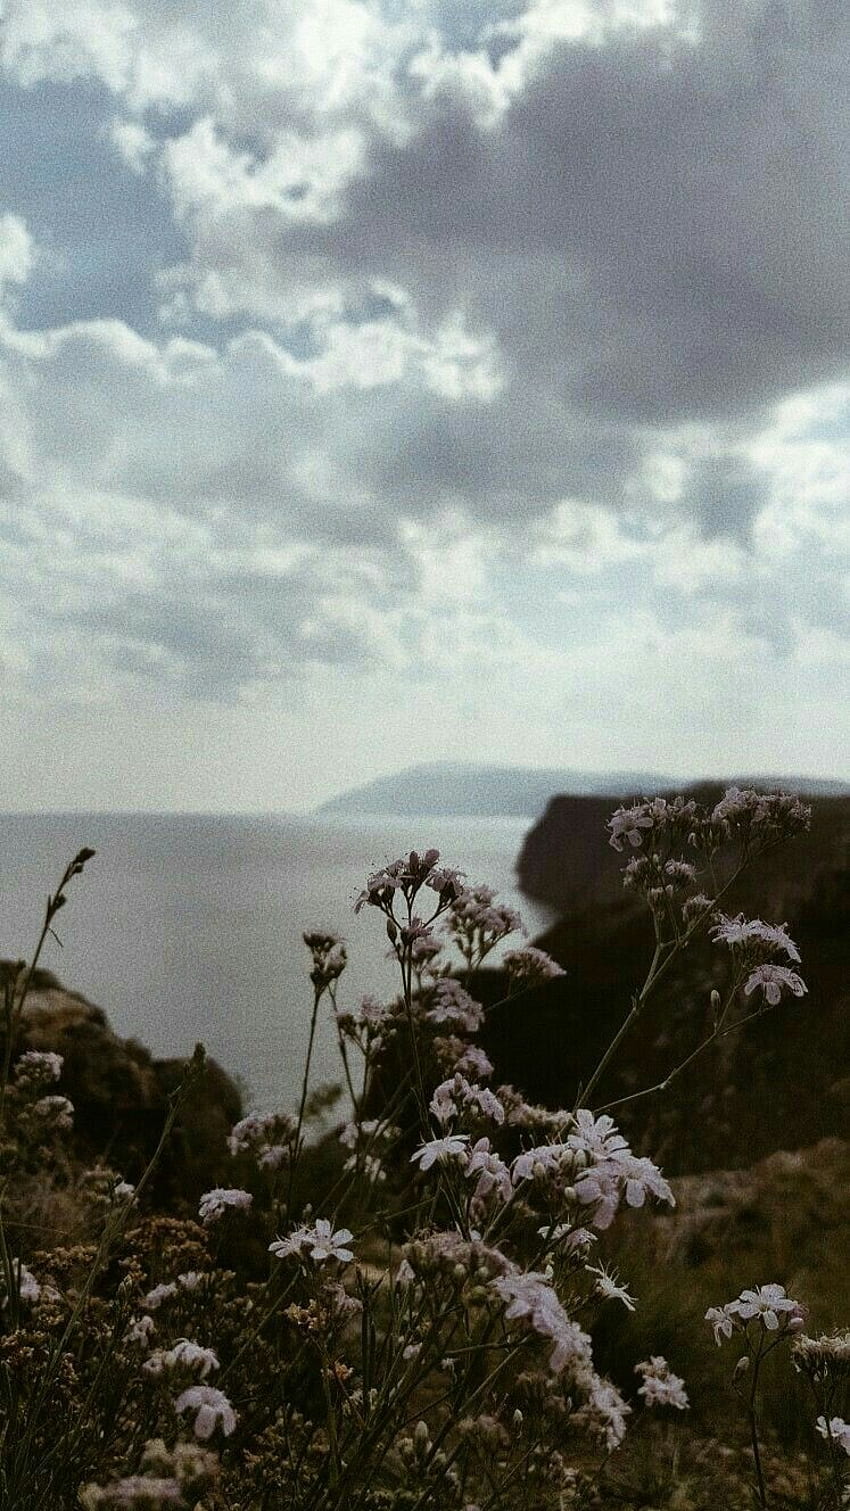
660 1386
215 1203
269 1137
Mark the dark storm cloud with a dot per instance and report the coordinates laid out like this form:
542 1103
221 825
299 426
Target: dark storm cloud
655 229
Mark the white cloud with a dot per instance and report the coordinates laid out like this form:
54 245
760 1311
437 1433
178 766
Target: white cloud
17 252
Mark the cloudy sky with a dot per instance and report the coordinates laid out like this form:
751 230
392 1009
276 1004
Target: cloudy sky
397 380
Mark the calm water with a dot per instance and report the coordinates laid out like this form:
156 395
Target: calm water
188 927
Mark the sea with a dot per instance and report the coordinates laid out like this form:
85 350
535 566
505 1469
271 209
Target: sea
187 928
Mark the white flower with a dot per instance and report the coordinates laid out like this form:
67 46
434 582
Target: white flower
450 1147
190 1280
836 1430
140 1330
772 980
159 1294
214 1203
608 1287
321 1241
660 1386
452 1004
607 1411
627 823
191 1356
768 1303
29 1289
329 1245
212 1409
597 1136
722 1319
292 1244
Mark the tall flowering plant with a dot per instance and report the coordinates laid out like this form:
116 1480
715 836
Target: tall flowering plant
420 1334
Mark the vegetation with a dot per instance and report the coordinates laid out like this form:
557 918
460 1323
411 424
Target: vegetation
426 1311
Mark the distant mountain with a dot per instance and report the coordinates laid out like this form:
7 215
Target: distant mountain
456 788
446 787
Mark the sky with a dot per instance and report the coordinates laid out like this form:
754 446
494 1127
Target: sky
387 381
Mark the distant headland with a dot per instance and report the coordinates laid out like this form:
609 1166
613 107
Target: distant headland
464 789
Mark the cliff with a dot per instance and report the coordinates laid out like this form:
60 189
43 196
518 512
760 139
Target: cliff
120 1094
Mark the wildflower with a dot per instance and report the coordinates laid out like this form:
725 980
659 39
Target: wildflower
190 1280
329 1245
292 1244
723 1320
214 1203
475 910
160 1293
660 1386
596 1136
321 1241
189 1355
608 1287
472 1060
493 1174
823 1358
329 958
454 1005
531 964
211 1407
628 823
29 1289
265 1135
835 1431
56 1112
768 1303
772 980
606 1411
553 1161
741 932
530 1297
440 1149
765 815
140 1330
37 1065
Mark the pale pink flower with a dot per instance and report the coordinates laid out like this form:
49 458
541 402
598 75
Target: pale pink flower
450 1147
530 1297
493 1174
740 932
531 964
772 980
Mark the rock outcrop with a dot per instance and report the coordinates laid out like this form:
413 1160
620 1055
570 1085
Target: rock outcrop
120 1093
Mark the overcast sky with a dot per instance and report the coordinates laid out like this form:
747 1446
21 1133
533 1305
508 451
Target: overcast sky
396 380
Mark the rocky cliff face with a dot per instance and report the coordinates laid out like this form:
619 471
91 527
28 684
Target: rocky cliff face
781 1082
567 862
120 1093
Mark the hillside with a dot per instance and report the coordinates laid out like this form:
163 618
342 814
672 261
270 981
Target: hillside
452 788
